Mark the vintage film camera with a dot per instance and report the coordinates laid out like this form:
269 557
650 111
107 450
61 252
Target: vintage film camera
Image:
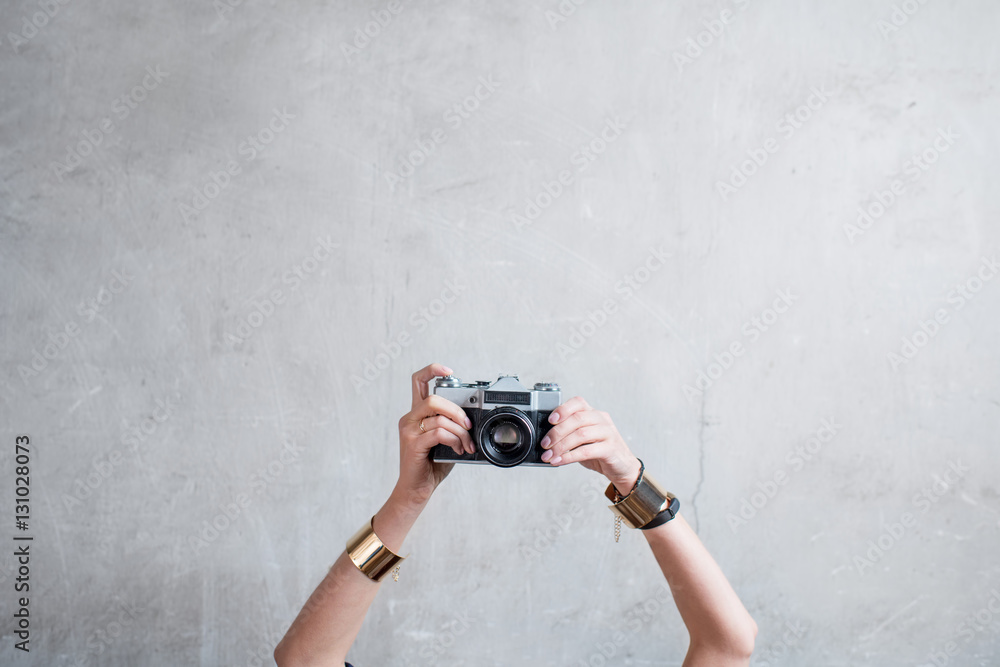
508 420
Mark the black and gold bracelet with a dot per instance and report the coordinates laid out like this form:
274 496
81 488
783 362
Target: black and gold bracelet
646 506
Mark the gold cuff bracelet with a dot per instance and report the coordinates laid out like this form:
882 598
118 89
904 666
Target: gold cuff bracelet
642 505
372 557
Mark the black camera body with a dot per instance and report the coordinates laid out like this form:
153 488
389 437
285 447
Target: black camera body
508 420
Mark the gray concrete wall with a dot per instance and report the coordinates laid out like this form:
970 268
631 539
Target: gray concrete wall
219 222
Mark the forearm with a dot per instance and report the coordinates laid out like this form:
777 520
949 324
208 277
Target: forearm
329 622
721 629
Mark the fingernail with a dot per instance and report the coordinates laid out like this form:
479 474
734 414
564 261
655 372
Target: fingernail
556 460
468 423
554 418
546 442
447 370
547 455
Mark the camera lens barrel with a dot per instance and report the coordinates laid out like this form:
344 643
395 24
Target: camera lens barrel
505 437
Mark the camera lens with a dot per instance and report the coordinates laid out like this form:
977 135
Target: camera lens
505 437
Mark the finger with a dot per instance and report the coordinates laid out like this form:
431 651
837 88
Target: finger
442 425
569 424
584 435
594 451
438 405
572 406
420 379
432 406
440 436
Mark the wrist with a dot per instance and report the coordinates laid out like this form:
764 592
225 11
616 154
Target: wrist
624 480
406 499
393 521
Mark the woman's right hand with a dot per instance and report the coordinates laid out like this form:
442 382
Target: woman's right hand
432 420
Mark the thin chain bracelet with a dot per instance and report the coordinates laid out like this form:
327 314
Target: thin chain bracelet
619 497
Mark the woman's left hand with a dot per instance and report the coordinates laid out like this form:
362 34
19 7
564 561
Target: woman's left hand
583 435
